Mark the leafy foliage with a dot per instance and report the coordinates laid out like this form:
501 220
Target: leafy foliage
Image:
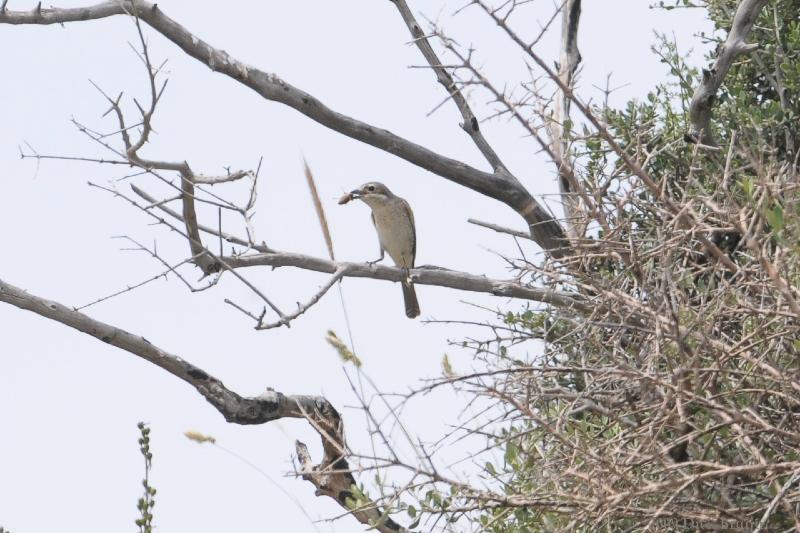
668 407
674 404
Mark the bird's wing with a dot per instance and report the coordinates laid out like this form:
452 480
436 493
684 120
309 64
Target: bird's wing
375 225
410 214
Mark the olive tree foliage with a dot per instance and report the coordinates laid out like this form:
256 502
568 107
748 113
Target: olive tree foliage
652 372
674 404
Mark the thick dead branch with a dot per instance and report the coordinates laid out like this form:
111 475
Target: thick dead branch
332 477
546 231
131 152
569 59
703 100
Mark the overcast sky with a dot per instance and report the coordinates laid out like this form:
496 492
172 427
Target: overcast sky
69 404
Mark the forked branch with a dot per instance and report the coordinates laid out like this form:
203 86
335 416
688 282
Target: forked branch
428 275
546 231
332 477
470 124
736 44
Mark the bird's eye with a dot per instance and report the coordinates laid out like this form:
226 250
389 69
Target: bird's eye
371 188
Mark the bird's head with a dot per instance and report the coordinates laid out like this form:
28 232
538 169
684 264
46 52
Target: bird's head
373 193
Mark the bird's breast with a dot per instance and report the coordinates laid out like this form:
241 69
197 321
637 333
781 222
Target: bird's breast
396 233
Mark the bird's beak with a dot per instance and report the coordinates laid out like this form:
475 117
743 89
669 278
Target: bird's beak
356 193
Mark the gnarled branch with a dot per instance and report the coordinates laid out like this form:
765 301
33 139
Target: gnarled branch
703 100
332 477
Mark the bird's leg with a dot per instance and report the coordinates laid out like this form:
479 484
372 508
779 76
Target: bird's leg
378 260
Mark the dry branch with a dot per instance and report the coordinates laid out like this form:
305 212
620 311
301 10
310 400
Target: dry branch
470 124
437 276
686 218
428 275
546 231
736 44
332 477
569 59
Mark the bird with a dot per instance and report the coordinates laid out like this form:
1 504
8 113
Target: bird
394 221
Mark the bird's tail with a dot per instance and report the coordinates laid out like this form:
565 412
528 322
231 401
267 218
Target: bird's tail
410 298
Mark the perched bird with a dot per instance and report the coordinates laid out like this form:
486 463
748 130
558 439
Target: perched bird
394 222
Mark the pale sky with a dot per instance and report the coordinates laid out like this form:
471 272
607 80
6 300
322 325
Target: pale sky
69 457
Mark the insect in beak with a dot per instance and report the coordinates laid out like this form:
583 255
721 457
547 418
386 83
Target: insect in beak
352 195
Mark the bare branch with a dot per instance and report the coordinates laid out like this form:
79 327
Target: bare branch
568 64
337 480
547 232
470 124
206 229
302 308
424 275
216 180
703 99
170 269
500 229
428 275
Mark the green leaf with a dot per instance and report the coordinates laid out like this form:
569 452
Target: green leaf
748 187
511 453
775 218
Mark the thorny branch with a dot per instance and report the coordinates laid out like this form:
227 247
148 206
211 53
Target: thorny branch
686 217
438 276
470 124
